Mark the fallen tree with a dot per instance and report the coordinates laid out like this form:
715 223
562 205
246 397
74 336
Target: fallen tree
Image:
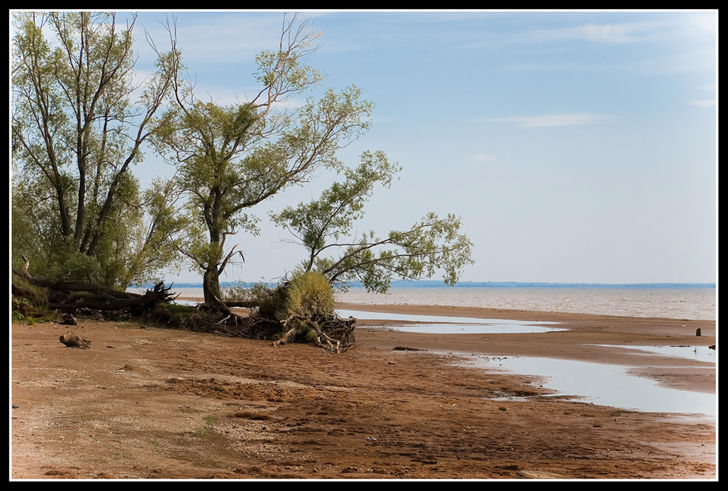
71 296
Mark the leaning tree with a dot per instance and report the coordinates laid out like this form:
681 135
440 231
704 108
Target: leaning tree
324 228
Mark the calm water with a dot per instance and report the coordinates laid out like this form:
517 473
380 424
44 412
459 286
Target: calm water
611 385
672 303
604 384
455 325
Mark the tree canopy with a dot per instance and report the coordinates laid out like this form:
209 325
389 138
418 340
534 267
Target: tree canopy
231 158
79 122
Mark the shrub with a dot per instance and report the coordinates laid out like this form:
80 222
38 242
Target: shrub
308 294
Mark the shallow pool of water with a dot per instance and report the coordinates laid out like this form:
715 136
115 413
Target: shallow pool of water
696 353
603 384
432 324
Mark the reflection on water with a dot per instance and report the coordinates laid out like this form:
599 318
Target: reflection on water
484 328
606 385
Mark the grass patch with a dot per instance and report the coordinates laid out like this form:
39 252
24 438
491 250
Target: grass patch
169 314
153 442
205 433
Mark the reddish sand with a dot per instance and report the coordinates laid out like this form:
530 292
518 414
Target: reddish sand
148 403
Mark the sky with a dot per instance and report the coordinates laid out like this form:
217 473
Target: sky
576 146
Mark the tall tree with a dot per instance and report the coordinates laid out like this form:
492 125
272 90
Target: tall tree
79 121
232 158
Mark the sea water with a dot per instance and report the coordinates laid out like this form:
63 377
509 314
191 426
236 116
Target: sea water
690 303
671 303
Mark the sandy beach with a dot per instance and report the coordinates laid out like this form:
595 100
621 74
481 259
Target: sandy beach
150 403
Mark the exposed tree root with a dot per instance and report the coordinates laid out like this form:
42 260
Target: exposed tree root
331 333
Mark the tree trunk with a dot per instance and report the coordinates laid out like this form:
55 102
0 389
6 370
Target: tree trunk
211 290
211 285
71 295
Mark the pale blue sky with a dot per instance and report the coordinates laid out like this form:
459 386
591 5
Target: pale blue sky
577 146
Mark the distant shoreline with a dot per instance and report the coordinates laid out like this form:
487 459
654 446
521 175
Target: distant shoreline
504 284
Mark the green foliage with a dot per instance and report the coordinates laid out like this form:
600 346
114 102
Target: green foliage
308 294
332 216
431 245
74 266
76 133
321 226
138 242
178 312
29 302
232 158
20 306
267 300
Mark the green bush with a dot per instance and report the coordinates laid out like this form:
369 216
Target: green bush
308 294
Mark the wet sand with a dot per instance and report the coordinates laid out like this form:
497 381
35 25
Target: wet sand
150 403
582 337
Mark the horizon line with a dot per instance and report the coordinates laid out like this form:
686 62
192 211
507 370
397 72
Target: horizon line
483 284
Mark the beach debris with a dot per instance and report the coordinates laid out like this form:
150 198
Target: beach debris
73 341
529 474
407 348
69 319
78 297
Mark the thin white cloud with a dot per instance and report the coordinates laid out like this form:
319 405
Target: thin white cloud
600 33
481 157
559 119
707 103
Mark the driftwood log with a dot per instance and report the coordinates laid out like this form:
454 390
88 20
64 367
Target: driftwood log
69 296
73 341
